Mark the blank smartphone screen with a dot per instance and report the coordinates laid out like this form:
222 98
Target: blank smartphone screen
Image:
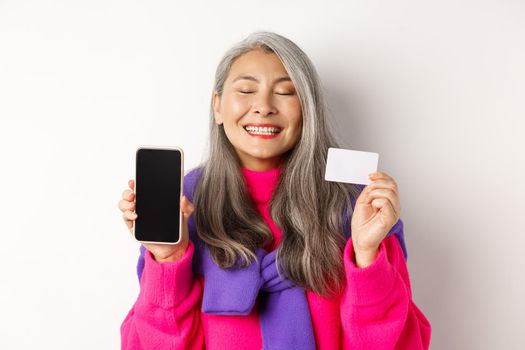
157 193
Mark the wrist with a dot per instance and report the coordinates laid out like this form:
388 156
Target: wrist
176 256
169 259
365 258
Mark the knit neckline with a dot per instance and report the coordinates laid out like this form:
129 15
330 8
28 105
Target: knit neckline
261 184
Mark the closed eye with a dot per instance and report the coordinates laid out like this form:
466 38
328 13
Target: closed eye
251 92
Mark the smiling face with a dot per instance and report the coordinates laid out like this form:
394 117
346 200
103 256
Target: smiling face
259 93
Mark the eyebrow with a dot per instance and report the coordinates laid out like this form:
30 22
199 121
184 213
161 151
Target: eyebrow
252 78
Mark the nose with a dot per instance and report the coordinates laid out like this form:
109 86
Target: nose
263 105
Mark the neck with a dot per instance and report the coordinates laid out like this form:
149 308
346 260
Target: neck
260 168
260 164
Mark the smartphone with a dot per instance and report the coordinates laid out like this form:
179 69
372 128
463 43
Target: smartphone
158 190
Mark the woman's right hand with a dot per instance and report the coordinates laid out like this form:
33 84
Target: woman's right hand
161 252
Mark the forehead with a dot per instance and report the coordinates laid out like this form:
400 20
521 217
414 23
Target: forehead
257 63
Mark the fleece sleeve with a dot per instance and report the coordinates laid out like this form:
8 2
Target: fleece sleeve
377 310
166 314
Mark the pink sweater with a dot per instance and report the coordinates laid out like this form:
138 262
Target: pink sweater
375 311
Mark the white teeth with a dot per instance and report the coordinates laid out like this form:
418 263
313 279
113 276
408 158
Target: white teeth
262 130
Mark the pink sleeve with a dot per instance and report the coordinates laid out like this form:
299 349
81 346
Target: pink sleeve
166 314
377 310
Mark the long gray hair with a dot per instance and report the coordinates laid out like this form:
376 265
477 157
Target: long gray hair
308 209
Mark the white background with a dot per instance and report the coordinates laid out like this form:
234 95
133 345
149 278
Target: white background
436 88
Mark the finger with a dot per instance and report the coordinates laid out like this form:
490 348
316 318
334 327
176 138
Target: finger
128 195
384 184
129 224
378 202
385 207
363 198
129 215
131 184
387 193
379 175
390 195
384 193
124 205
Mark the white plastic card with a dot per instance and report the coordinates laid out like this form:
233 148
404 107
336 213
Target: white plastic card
344 165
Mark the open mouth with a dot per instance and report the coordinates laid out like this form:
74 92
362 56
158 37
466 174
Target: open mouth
257 130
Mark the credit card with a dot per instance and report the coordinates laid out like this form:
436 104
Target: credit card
350 166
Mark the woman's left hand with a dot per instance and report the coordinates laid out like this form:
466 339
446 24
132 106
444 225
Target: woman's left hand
376 211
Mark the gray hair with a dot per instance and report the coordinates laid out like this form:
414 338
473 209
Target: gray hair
309 210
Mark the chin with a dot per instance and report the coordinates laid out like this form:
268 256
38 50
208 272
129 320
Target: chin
264 156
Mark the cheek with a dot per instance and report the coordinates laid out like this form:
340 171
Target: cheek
290 108
293 109
294 126
298 128
235 106
295 115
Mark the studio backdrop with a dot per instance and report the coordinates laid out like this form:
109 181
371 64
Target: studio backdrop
436 88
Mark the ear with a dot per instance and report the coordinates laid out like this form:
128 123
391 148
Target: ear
217 108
